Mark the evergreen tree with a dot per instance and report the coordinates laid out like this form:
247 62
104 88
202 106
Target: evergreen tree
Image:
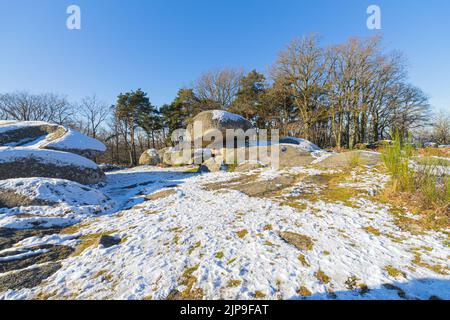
249 101
128 109
185 106
150 120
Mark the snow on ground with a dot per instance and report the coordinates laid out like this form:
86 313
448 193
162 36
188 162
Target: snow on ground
64 203
55 191
57 158
222 244
74 140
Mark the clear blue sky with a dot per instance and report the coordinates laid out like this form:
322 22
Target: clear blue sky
162 45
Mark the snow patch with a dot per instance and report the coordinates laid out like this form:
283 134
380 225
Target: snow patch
58 158
11 125
225 116
55 191
302 143
74 140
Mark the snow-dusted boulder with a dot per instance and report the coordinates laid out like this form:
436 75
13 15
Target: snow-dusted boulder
150 157
23 162
43 135
74 142
24 192
214 164
19 133
303 144
216 120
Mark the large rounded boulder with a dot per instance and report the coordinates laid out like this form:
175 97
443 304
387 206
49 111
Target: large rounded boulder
150 157
213 122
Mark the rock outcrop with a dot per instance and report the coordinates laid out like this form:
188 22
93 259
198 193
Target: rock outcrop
39 149
43 135
28 163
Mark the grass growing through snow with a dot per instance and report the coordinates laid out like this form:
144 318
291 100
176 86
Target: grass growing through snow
423 188
354 160
393 272
396 158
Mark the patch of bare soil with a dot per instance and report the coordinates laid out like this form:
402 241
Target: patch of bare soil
160 194
299 241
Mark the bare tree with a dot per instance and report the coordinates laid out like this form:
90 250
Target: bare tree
409 109
304 67
94 113
24 106
441 128
219 87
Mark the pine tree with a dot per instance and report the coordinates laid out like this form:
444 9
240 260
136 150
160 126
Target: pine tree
185 106
249 101
127 109
150 120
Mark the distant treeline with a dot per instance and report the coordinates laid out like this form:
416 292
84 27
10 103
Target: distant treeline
337 96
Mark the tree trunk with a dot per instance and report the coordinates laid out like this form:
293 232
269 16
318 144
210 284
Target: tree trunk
133 161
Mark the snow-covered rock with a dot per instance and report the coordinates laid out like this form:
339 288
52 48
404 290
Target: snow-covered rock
216 121
26 162
75 142
45 191
43 135
19 133
303 144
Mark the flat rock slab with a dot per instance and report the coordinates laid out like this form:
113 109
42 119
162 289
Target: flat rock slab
12 199
9 237
28 278
299 241
342 160
19 133
34 167
50 253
